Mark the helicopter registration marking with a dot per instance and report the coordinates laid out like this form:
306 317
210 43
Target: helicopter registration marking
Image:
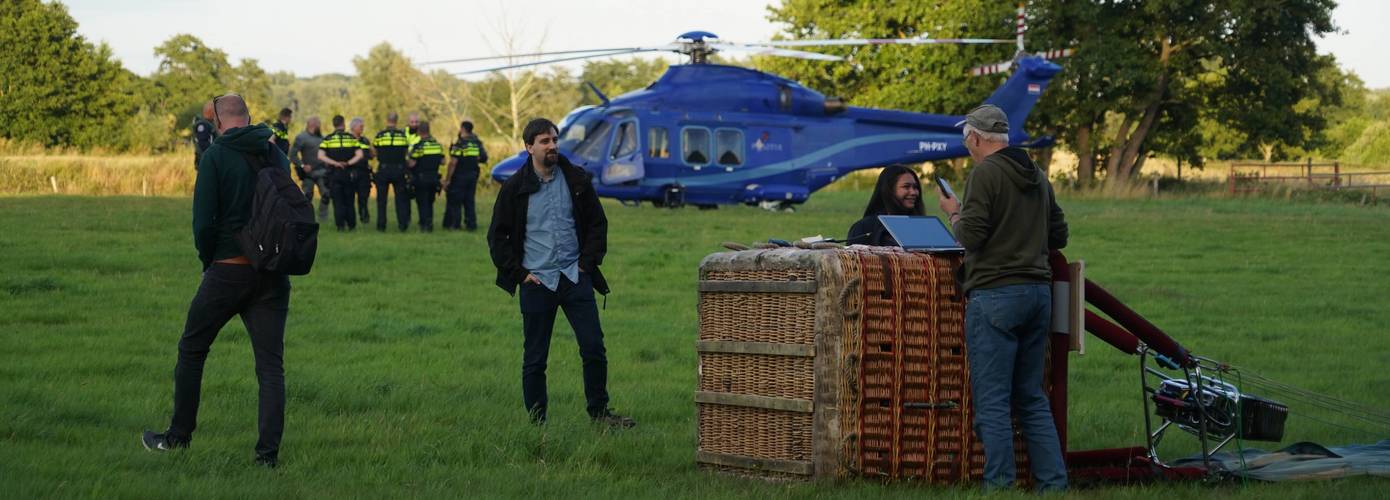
762 145
931 146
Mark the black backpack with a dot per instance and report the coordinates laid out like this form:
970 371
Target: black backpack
282 236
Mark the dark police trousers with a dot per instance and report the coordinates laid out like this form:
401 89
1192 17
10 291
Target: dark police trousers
344 187
426 188
538 307
392 178
263 301
363 177
461 190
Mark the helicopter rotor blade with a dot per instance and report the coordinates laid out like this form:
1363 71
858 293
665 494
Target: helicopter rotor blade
759 50
1002 66
533 54
884 41
990 69
562 59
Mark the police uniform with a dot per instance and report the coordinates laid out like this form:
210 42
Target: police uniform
340 146
203 134
469 153
391 147
428 155
362 179
281 133
281 137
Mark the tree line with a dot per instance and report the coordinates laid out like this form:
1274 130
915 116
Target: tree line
1193 80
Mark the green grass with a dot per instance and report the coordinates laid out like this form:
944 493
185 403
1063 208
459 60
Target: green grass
403 359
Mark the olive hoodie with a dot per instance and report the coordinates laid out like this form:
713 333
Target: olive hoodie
1009 222
224 188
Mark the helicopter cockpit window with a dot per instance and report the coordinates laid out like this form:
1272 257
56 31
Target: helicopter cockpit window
658 144
592 146
728 143
626 140
695 146
580 128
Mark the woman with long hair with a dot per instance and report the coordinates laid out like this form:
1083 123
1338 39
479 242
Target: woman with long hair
898 192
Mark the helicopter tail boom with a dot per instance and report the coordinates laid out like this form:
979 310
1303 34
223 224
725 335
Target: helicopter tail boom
1021 91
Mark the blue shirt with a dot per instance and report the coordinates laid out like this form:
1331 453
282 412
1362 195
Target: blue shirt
552 246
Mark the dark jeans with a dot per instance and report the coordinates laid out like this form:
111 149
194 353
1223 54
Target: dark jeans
392 178
1006 331
538 307
344 188
317 179
461 190
362 176
263 301
426 188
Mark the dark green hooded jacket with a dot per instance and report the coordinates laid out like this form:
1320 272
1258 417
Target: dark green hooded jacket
224 188
1009 222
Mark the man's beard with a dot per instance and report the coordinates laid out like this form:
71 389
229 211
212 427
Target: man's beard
551 159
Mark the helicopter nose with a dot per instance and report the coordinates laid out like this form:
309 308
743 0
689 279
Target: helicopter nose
504 169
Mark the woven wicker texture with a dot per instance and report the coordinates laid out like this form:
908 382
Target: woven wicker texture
787 318
757 374
755 432
901 407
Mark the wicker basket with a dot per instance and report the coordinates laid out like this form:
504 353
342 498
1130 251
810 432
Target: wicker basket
835 363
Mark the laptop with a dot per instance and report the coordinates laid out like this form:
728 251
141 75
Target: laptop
924 233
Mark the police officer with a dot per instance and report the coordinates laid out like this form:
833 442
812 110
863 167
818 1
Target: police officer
362 170
424 161
466 155
203 132
391 146
280 133
339 151
412 128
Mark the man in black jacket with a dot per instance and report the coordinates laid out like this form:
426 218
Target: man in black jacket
549 236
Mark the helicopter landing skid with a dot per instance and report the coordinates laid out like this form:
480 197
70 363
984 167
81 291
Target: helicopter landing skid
777 206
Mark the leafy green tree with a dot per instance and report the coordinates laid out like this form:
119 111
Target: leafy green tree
383 83
1152 63
56 88
190 73
915 78
252 82
615 77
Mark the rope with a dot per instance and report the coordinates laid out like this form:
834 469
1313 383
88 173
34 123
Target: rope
1295 396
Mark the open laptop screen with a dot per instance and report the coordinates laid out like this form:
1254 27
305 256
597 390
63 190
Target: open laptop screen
916 232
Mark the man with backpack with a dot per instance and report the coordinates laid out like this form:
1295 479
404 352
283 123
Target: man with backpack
231 285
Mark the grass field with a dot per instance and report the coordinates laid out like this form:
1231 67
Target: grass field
403 359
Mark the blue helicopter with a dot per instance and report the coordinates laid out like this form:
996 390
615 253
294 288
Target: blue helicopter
708 134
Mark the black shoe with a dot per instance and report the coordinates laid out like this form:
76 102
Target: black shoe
613 420
160 442
268 462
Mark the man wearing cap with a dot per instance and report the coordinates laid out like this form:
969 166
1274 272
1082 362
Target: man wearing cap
1008 223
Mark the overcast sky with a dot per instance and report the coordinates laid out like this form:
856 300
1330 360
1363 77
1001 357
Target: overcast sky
311 37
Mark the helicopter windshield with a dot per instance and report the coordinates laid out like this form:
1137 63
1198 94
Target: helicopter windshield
579 126
591 148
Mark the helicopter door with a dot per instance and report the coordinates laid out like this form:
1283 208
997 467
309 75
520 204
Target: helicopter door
625 156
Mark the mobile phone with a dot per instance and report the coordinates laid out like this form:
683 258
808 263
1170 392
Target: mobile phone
945 187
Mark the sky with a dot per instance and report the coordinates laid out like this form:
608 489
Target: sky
314 37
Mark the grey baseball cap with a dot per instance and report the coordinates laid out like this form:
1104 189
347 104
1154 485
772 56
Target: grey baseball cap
987 118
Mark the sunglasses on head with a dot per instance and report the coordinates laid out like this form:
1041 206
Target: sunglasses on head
215 116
